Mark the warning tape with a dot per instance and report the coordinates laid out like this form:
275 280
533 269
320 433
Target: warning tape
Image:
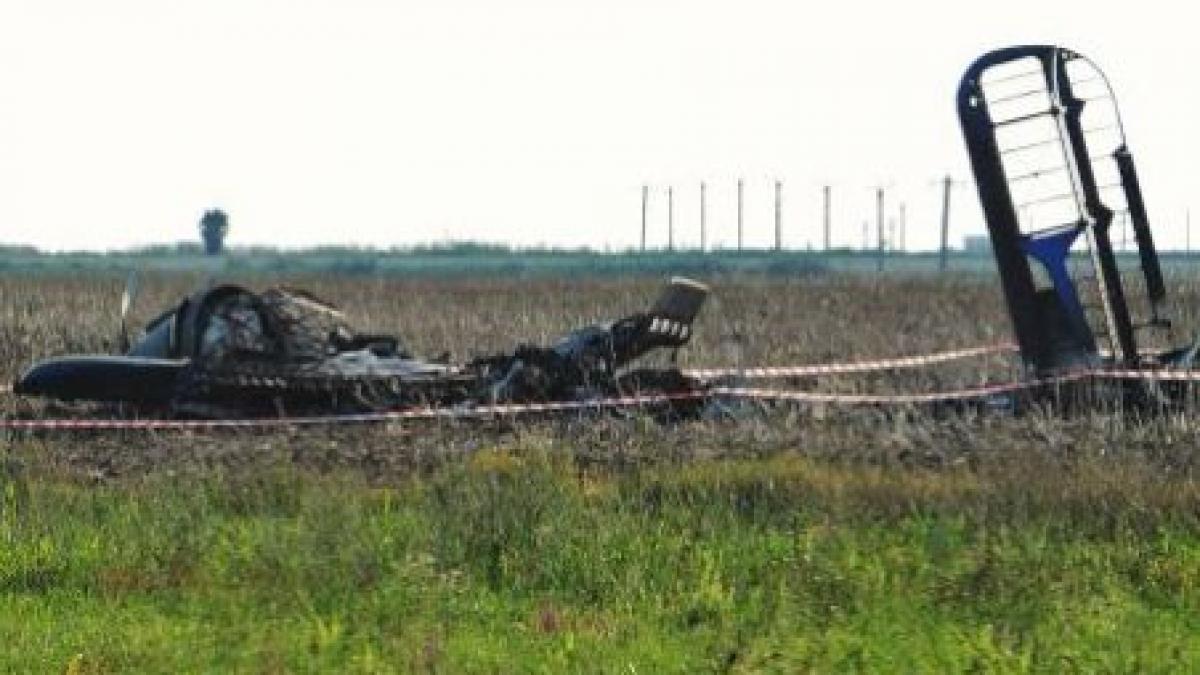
516 409
454 413
746 393
884 399
1158 375
969 393
596 405
766 372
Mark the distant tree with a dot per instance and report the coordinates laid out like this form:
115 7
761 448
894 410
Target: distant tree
214 225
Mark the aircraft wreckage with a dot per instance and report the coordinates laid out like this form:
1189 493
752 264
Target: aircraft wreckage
1054 174
229 351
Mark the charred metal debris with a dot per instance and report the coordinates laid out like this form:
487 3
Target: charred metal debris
228 351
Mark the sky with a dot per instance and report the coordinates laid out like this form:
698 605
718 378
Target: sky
535 122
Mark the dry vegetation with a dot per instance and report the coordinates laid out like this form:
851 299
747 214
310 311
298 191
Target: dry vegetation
749 320
796 320
785 538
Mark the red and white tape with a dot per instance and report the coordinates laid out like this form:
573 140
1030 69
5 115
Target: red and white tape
1158 375
767 372
982 391
455 413
875 399
516 409
762 394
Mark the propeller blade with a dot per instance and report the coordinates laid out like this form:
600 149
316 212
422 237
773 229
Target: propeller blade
130 294
127 298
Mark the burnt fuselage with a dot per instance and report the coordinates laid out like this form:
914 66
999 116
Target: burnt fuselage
228 351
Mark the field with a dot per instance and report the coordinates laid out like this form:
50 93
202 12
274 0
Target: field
773 538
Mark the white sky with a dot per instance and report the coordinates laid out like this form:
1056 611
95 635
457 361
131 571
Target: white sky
532 121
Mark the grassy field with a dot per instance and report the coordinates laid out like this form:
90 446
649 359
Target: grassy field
779 539
518 560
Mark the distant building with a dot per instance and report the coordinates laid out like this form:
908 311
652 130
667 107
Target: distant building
977 243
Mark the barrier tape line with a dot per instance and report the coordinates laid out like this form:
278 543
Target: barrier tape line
766 372
1161 375
514 409
876 399
474 412
983 391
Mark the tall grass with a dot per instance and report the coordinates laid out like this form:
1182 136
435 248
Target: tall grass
520 559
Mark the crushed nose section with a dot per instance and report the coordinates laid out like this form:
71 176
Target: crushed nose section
1054 175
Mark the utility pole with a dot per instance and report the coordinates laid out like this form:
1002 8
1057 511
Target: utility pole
741 185
645 202
879 225
901 226
947 183
865 244
1187 216
703 219
826 218
670 218
778 215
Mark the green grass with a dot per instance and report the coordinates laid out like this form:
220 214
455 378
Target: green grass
518 560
